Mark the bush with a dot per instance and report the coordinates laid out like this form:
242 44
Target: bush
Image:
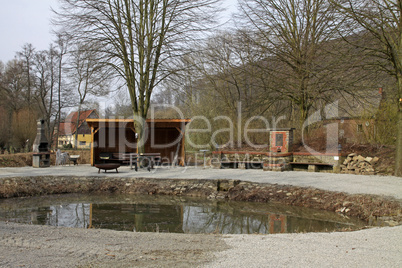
68 146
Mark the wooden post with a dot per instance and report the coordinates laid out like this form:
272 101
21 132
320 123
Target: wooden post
183 151
90 216
93 132
92 146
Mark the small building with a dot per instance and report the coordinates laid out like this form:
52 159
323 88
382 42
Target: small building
281 140
164 136
356 120
68 129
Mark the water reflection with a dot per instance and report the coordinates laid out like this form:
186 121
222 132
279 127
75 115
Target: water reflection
166 214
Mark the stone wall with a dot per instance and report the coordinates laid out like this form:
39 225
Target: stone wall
335 159
280 161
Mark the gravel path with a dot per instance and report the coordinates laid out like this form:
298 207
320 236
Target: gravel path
44 246
353 184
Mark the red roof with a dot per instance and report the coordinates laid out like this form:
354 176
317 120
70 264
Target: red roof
68 127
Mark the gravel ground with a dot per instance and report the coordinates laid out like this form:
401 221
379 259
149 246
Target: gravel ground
379 247
353 184
44 246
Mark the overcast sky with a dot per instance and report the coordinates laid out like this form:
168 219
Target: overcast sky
24 21
28 21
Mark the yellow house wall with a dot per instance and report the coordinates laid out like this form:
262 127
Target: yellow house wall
71 139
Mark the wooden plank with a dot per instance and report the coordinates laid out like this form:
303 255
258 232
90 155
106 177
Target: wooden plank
183 151
316 164
243 162
92 146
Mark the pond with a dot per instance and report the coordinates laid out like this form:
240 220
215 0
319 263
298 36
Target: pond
147 213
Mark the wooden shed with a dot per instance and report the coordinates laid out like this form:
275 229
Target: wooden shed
164 136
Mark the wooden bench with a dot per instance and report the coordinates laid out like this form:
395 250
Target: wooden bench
247 164
114 158
311 167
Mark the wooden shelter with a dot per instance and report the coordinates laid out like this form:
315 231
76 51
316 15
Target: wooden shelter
164 136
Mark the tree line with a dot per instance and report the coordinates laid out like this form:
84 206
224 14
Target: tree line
291 57
46 84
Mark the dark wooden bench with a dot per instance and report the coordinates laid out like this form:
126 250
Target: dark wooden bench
311 166
114 158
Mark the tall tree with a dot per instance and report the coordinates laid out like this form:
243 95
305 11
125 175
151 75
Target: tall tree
13 92
298 39
88 76
61 49
27 57
138 38
45 80
382 20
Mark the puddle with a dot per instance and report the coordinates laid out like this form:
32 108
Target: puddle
145 213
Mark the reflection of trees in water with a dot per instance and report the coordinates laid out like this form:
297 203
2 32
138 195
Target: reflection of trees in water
170 215
217 219
71 215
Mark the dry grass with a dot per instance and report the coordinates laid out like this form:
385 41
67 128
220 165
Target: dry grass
25 159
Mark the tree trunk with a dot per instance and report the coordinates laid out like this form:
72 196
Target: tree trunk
76 127
398 153
140 128
398 157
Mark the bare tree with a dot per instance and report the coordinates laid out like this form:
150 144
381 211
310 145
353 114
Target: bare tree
61 49
381 19
301 45
88 76
138 38
13 92
27 56
45 82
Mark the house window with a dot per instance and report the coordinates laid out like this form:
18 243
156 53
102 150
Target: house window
359 128
83 143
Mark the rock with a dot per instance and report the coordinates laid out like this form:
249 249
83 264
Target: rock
346 204
391 223
342 209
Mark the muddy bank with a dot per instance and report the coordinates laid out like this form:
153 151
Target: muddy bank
375 210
